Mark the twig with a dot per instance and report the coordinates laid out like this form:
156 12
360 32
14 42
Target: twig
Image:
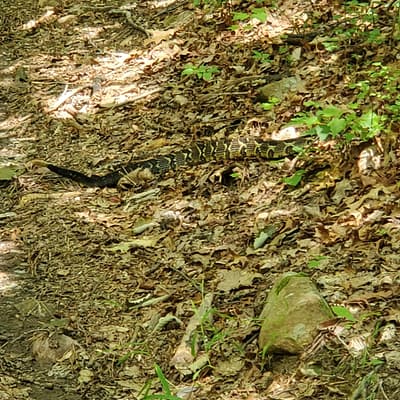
131 100
66 95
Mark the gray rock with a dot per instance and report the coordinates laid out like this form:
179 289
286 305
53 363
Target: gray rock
281 89
292 314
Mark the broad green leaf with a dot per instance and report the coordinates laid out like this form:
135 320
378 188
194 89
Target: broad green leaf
306 119
343 312
312 103
239 16
7 173
331 111
330 44
322 131
259 13
267 106
295 179
337 126
316 261
369 120
189 69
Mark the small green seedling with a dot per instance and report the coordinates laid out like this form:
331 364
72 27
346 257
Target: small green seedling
263 58
316 261
256 13
202 71
270 104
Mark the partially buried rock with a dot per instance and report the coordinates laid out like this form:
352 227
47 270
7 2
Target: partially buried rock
281 89
292 314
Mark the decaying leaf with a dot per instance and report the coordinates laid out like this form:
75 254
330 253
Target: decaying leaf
234 279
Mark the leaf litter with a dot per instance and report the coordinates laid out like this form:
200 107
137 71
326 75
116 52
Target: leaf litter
82 87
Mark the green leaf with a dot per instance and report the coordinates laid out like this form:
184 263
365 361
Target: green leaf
316 261
163 380
306 119
259 13
337 126
239 16
167 395
376 361
272 101
349 136
7 173
330 44
295 179
267 106
331 111
312 103
343 312
264 58
368 120
190 69
322 131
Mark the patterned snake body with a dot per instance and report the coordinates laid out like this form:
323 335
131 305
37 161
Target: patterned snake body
197 153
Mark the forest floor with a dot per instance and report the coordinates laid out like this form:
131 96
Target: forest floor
98 285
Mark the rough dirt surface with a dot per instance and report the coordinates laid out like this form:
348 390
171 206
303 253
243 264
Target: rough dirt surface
98 286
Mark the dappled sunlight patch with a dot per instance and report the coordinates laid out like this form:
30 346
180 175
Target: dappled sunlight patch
7 278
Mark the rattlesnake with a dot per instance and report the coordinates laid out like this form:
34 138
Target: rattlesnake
197 153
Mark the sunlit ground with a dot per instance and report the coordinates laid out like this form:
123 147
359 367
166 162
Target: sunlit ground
7 281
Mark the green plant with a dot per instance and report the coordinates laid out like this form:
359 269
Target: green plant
209 334
137 348
235 175
202 71
343 312
263 58
270 104
375 36
166 395
380 87
316 261
359 26
256 13
295 179
331 44
324 122
333 121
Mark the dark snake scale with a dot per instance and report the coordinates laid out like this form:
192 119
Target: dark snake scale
197 153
